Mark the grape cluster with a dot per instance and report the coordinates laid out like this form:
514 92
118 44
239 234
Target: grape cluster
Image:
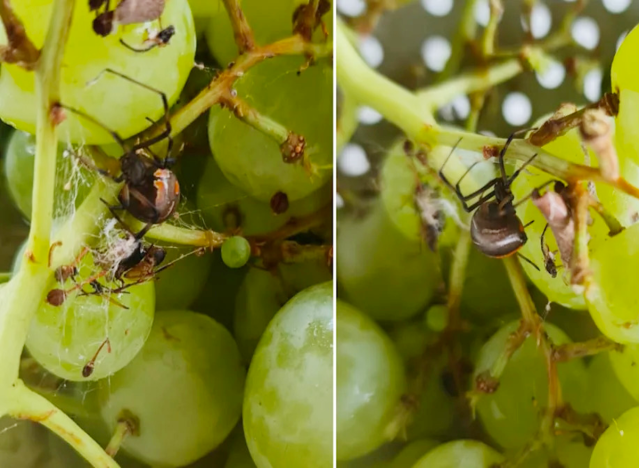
449 358
164 353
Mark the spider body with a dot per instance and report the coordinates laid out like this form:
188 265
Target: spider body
495 228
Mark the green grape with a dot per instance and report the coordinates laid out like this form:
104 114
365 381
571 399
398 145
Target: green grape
226 207
303 104
236 251
611 298
435 414
475 302
259 298
437 318
622 74
64 339
178 287
202 11
299 276
370 383
610 384
217 298
412 453
379 458
411 338
72 184
288 403
270 22
399 179
380 271
460 454
240 457
568 452
624 364
617 446
85 58
185 388
511 414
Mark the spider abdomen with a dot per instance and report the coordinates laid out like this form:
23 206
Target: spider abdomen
497 232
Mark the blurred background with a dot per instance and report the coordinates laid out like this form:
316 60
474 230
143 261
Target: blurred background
412 44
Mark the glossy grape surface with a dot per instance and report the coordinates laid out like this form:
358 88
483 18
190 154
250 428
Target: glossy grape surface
86 57
65 338
185 387
460 454
617 447
288 403
370 383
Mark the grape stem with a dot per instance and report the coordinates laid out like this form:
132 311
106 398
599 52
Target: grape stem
222 83
414 116
570 351
466 32
241 29
490 32
20 50
581 275
26 404
291 144
293 252
183 236
24 291
294 226
532 322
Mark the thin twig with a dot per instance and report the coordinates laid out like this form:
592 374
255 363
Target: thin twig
222 83
20 50
243 33
569 351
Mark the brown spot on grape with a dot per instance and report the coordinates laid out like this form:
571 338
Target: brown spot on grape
490 151
56 297
279 203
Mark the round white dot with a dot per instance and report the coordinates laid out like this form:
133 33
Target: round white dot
436 51
438 7
368 116
616 6
353 161
540 20
351 7
592 84
621 39
461 106
339 201
482 12
371 50
552 76
446 112
585 32
488 133
517 109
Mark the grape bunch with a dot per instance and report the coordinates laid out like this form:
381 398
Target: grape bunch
182 315
504 334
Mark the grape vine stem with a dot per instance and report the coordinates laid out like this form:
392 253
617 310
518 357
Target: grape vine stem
24 291
414 115
244 37
223 82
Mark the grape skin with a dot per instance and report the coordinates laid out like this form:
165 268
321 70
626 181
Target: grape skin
64 339
510 415
86 57
612 298
288 402
19 161
222 204
460 454
617 446
370 383
236 251
186 354
252 160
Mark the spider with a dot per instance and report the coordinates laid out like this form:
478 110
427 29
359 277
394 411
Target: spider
495 228
151 191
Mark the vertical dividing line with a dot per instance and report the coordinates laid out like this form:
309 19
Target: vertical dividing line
334 241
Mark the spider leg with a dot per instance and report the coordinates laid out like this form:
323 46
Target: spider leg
518 171
95 121
165 104
528 260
